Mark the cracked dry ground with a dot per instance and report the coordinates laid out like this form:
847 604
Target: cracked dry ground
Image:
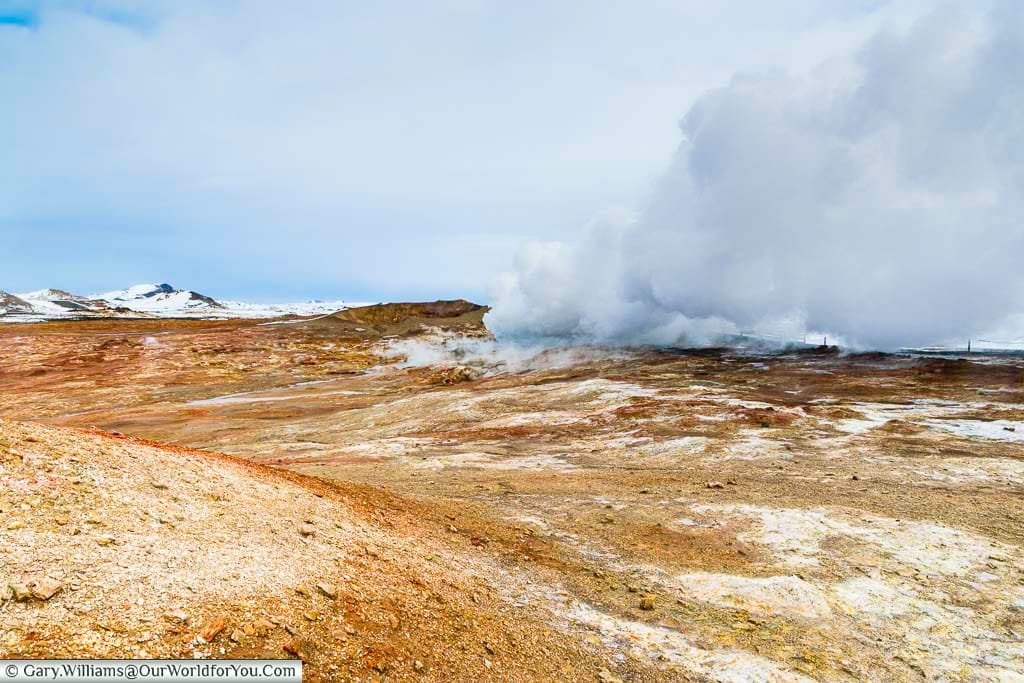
646 516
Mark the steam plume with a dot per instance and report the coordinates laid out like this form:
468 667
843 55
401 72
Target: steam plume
880 199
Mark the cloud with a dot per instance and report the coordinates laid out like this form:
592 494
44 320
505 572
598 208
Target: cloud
879 197
396 148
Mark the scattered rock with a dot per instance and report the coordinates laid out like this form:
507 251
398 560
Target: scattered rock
177 615
714 485
237 636
157 484
262 627
327 590
606 676
45 588
296 647
455 375
647 602
417 665
20 591
307 529
212 629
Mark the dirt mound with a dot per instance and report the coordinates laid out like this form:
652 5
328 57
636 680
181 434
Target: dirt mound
117 547
402 319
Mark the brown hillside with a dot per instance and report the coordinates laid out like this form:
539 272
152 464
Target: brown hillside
118 547
409 318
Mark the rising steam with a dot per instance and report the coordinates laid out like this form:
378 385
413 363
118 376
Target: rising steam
879 199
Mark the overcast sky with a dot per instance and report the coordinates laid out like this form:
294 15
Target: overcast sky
352 149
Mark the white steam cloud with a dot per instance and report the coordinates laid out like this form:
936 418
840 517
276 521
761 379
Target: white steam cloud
491 357
879 199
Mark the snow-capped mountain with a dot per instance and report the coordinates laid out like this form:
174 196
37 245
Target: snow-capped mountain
159 299
147 301
13 305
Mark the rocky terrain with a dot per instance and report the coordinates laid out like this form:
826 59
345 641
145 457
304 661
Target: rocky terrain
508 514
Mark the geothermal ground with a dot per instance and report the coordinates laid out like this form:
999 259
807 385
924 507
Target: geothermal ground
573 515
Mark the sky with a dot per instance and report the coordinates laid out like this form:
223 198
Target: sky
388 150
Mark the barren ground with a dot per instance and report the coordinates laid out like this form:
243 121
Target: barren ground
643 516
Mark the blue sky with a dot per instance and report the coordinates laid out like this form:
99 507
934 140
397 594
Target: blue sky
363 150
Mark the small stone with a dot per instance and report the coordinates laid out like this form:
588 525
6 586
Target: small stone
262 627
633 588
177 615
417 665
311 615
16 524
307 529
303 591
212 629
647 602
855 477
606 676
296 648
158 484
20 591
327 590
105 540
607 519
44 589
489 648
451 528
237 636
714 485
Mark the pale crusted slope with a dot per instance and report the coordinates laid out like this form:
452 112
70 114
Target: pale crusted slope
149 546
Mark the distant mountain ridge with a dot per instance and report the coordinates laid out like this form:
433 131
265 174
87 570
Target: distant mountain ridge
146 300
